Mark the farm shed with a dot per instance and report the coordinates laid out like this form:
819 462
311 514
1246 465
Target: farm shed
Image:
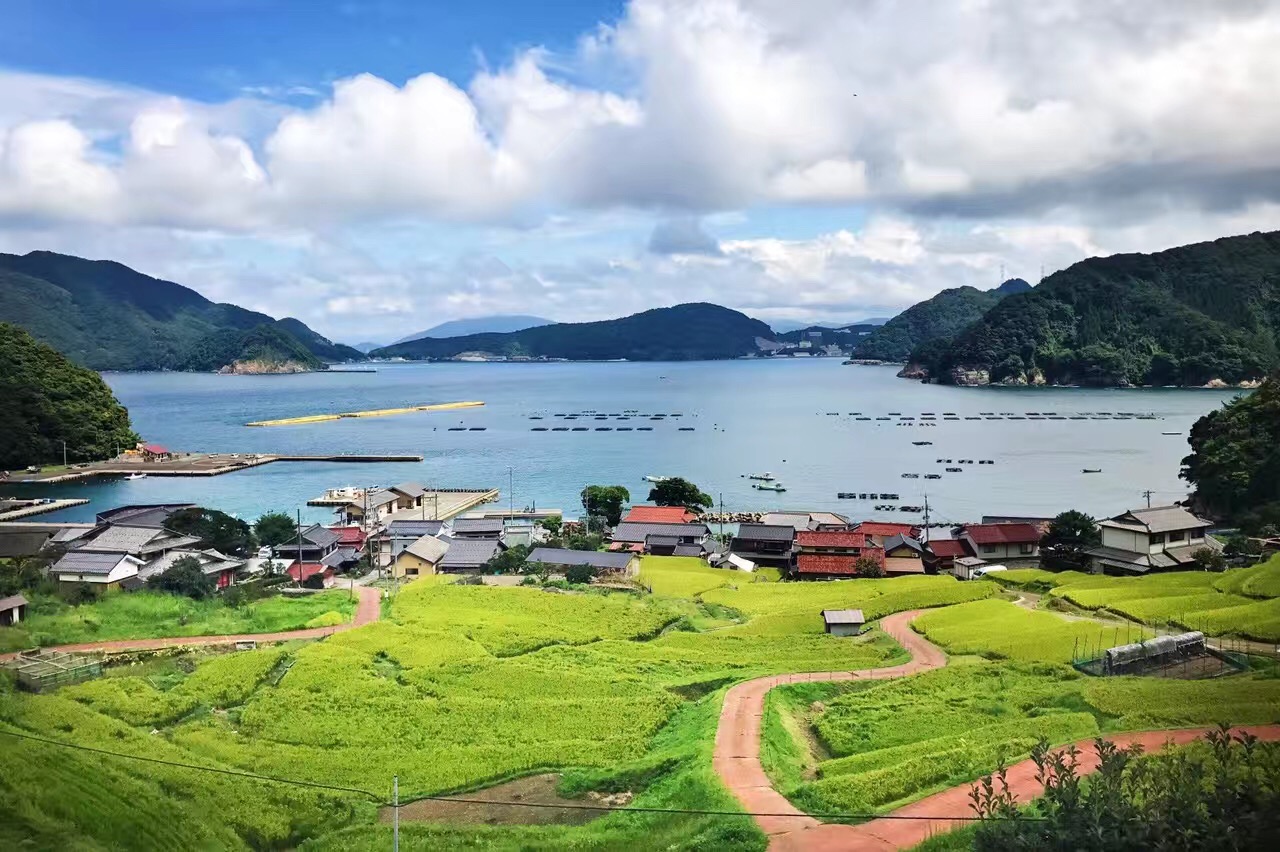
843 622
13 609
47 669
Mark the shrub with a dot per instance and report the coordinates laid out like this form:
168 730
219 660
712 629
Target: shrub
184 577
580 574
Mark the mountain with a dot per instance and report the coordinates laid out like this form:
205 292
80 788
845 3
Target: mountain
49 400
497 324
846 336
266 348
939 318
1201 314
689 332
107 316
788 326
1235 460
366 346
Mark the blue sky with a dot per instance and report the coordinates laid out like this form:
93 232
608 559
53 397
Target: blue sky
383 166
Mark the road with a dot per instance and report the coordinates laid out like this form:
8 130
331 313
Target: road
368 611
737 761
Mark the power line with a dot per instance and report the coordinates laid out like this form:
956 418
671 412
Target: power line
562 806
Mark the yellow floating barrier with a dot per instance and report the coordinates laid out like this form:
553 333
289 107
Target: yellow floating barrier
377 412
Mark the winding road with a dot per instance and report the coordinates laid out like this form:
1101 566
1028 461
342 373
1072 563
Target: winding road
368 610
737 761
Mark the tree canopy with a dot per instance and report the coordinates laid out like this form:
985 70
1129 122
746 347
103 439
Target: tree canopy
935 320
1070 534
215 529
183 577
1235 459
47 400
275 528
605 501
676 491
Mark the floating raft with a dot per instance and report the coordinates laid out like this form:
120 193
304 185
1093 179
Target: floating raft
377 412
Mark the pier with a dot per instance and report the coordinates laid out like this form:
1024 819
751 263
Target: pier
377 412
29 508
195 464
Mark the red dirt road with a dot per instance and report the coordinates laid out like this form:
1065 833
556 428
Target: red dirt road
737 762
368 610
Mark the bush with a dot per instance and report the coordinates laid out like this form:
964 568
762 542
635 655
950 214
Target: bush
580 575
184 577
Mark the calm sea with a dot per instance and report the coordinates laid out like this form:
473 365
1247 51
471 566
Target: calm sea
794 418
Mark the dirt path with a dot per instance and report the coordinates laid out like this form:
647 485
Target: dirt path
368 610
737 762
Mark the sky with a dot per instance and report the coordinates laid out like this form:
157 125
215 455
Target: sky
375 167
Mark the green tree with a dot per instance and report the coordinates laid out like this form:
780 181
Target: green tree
1208 559
1068 538
48 400
868 568
215 529
680 492
580 575
552 524
275 528
585 541
605 501
183 577
509 561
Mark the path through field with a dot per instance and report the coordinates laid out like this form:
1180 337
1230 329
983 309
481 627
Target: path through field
737 762
368 611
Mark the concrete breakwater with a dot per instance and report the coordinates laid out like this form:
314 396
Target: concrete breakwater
377 412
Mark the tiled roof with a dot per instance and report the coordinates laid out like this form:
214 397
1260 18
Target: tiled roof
883 528
12 601
632 532
478 525
156 449
830 538
658 515
947 548
317 536
308 569
428 548
843 616
687 550
765 532
381 497
121 539
414 529
353 536
127 514
468 552
1162 519
78 562
822 563
1003 533
662 540
894 542
895 565
409 489
560 556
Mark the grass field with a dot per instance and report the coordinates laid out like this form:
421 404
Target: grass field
147 615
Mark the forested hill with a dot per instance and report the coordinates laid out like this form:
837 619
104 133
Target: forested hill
689 332
107 316
1187 316
48 400
938 319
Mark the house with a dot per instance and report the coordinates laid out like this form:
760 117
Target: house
145 543
300 572
903 555
477 528
1007 543
370 509
18 542
659 515
103 571
634 536
142 514
224 569
823 554
313 545
13 610
421 557
832 566
799 520
843 542
1039 522
843 622
1162 538
155 452
770 544
941 554
560 560
880 531
663 545
410 495
351 543
967 567
518 531
400 534
468 555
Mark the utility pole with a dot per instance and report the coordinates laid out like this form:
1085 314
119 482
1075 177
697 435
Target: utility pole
722 517
395 808
511 496
64 453
299 511
1147 494
926 519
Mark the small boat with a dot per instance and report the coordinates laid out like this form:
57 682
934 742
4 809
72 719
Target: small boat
559 428
765 477
656 478
923 443
1170 433
910 476
538 429
955 470
768 486
933 476
685 429
136 476
644 428
1091 470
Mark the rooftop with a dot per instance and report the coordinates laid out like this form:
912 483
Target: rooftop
894 542
1158 519
1003 533
831 538
428 548
78 562
478 525
560 556
843 616
947 548
468 553
122 539
658 515
766 532
12 601
883 528
638 532
414 529
826 563
317 536
409 489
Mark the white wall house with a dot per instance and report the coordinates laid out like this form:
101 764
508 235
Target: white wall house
1162 538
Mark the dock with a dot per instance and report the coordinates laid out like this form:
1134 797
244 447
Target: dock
197 464
438 504
38 507
377 412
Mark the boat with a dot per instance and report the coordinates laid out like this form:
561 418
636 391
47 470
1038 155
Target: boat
955 470
1170 433
933 476
910 476
1091 470
923 443
766 476
136 476
768 486
656 478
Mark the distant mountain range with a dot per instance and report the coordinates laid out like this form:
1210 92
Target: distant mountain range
496 324
106 316
933 320
682 333
786 326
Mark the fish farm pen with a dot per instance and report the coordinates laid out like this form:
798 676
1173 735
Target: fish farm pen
1184 656
43 670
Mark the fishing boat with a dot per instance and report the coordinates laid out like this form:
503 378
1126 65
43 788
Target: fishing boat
765 477
923 443
656 478
910 476
768 486
1170 433
136 476
1091 470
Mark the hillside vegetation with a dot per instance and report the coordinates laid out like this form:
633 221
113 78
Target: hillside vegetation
266 348
47 400
933 322
107 316
1187 316
1235 459
689 332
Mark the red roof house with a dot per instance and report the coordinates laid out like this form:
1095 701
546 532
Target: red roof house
833 565
831 539
301 572
1002 541
659 515
878 531
350 537
153 452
